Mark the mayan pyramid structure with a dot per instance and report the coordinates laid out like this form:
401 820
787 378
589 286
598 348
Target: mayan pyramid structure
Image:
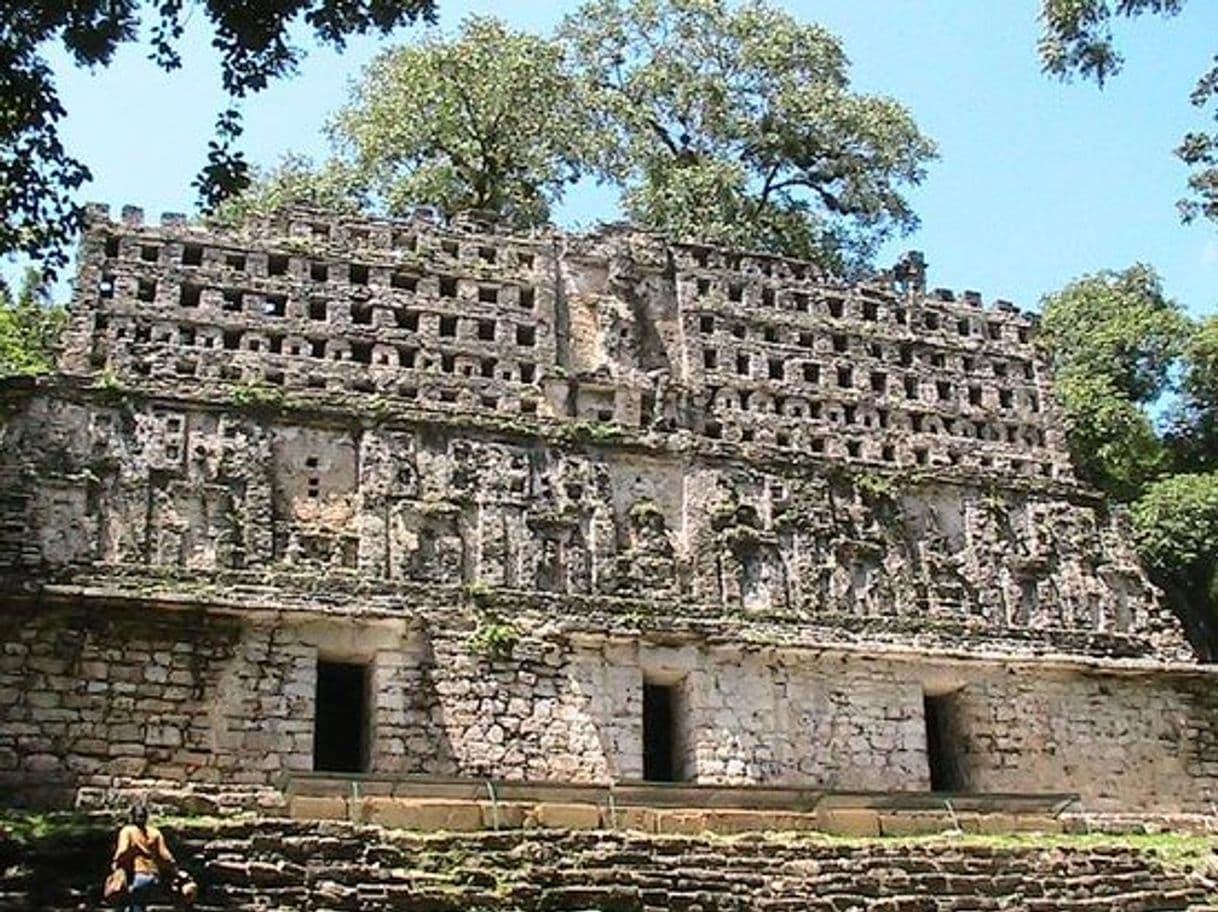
407 501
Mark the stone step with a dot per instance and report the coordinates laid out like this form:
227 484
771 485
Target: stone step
333 867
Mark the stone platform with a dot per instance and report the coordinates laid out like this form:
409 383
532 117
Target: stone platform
464 805
333 867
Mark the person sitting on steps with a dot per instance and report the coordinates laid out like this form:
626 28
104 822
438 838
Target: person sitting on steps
143 853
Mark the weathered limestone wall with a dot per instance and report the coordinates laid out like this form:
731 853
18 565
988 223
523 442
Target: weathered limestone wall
1151 734
283 865
164 488
96 701
618 329
607 415
367 441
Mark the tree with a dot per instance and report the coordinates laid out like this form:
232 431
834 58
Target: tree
1175 524
38 175
1138 381
731 126
1118 325
1076 38
488 121
1114 338
1193 428
30 327
1112 440
739 126
295 181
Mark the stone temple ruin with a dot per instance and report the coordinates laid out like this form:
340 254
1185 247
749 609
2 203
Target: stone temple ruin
397 502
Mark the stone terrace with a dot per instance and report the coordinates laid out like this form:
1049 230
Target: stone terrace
339 867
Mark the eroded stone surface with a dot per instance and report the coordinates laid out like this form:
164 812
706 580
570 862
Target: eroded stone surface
338 866
516 477
399 401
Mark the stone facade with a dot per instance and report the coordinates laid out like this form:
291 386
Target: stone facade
517 478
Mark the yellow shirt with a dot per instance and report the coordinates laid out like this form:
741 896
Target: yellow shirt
143 850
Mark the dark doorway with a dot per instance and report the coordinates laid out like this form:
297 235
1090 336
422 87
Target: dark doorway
661 762
340 729
942 744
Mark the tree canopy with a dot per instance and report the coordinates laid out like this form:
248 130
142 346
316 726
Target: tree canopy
1116 325
38 175
30 327
731 125
1175 525
489 120
1138 381
1077 39
739 125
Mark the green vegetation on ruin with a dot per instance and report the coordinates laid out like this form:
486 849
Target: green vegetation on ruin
1137 378
1176 851
30 828
494 638
259 397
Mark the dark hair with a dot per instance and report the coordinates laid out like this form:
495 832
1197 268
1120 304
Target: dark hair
139 814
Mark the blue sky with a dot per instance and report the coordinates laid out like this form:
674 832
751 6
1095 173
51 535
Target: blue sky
1038 181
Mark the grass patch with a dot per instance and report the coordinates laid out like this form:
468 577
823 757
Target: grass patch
27 828
1174 850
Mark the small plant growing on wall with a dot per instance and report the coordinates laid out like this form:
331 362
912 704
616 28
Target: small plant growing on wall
110 389
996 505
494 639
258 396
591 432
646 510
875 488
379 409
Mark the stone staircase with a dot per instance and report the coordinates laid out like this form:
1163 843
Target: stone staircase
336 867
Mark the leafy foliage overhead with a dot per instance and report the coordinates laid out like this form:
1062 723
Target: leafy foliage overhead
1116 325
1138 381
739 125
30 327
38 175
488 121
1076 38
734 125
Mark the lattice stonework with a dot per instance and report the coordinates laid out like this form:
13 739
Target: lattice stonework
509 484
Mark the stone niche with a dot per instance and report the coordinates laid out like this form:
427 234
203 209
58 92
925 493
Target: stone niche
315 497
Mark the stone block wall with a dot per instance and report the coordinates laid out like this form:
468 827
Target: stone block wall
1158 736
94 703
371 442
619 331
606 415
